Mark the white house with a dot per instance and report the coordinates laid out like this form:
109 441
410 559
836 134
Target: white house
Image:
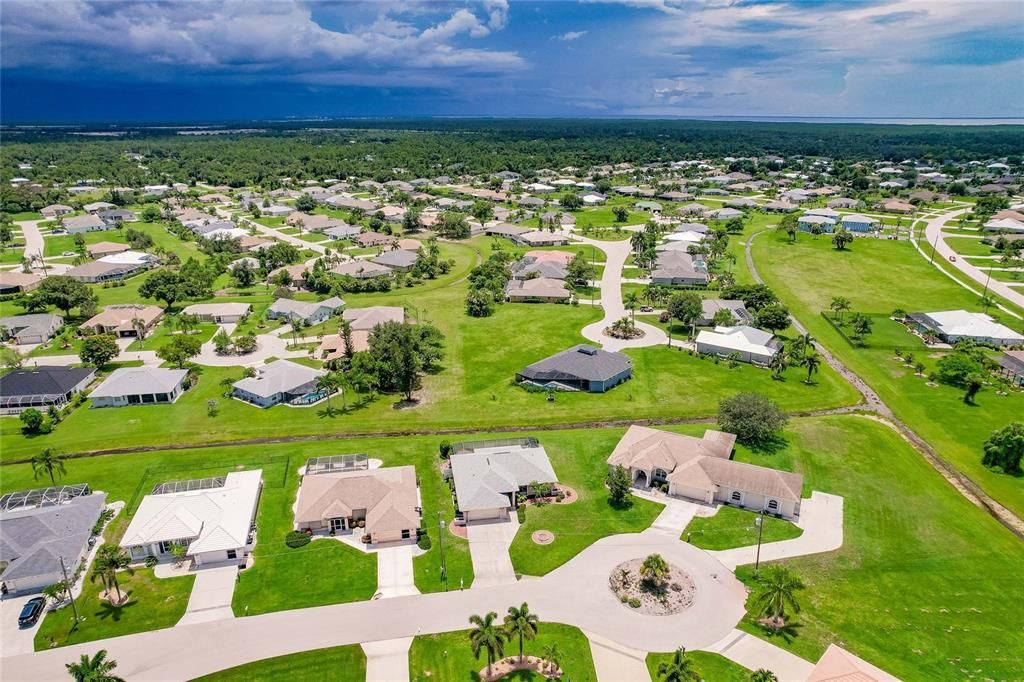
213 518
953 325
220 313
750 344
140 386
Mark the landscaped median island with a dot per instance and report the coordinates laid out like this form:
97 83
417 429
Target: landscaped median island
343 663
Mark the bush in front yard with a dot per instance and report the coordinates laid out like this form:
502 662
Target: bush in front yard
424 542
296 539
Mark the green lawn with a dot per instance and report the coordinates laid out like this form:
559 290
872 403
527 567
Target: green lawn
447 657
966 246
579 463
154 603
921 573
342 663
710 667
733 527
880 276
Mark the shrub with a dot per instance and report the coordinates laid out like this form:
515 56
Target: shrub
151 561
634 602
521 513
446 449
424 542
296 539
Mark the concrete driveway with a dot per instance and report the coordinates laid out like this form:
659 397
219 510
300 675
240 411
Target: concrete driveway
394 571
676 515
387 660
211 595
488 547
15 639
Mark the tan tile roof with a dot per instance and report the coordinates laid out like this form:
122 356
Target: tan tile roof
388 495
122 316
839 665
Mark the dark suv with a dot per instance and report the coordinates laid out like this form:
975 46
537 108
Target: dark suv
30 613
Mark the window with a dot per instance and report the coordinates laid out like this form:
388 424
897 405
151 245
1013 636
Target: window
405 534
773 505
660 473
736 497
232 554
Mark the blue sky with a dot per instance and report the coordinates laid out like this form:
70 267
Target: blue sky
77 60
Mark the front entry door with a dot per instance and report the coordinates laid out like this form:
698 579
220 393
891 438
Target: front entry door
337 524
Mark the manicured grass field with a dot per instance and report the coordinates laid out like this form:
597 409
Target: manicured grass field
877 275
732 527
447 656
57 244
919 586
967 246
343 663
710 667
154 603
579 463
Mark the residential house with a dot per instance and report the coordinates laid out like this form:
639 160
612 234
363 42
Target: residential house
296 274
114 216
98 206
538 238
780 207
951 326
816 223
839 665
343 231
361 321
102 249
580 368
742 203
1004 225
310 312
728 214
745 343
710 306
397 259
380 503
700 469
32 328
84 223
219 313
370 239
140 386
693 209
506 230
113 267
1012 364
55 210
896 206
12 281
281 381
530 267
42 387
124 319
856 222
490 475
843 202
213 518
679 268
537 290
361 269
40 529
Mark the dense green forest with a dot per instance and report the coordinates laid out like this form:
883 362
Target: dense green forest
427 148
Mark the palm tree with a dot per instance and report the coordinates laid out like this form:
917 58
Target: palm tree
345 381
522 624
552 656
779 362
327 384
49 462
811 362
763 675
95 669
839 305
109 560
777 593
654 569
631 301
486 634
678 669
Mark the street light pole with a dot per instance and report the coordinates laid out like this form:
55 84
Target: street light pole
759 522
67 585
440 535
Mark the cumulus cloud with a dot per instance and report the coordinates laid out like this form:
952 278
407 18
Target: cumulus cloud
571 35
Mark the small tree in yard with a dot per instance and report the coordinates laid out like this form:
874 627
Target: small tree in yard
654 569
109 560
95 669
776 593
49 463
180 350
1005 448
679 669
552 656
522 624
773 317
841 239
222 343
619 483
32 420
621 214
488 636
754 419
211 408
56 592
98 350
811 363
974 384
763 675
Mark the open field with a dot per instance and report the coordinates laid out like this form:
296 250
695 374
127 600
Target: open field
342 663
880 276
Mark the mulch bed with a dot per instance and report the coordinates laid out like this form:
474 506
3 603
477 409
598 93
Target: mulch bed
511 664
673 596
570 496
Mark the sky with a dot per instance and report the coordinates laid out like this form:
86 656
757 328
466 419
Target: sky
178 60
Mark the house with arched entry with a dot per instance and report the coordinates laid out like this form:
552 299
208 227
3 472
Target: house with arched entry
700 469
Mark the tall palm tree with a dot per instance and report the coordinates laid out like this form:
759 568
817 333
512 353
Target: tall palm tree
679 669
777 593
95 669
49 462
109 560
522 624
327 384
779 362
812 362
487 635
631 301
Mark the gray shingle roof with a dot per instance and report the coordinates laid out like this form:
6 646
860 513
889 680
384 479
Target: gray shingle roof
579 362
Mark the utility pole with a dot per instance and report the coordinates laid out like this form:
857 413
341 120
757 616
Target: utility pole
759 522
440 535
67 585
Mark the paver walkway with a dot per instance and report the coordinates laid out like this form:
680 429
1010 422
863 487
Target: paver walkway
821 518
488 548
211 595
754 653
394 571
387 660
615 663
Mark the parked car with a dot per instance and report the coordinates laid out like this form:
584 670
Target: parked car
69 253
646 309
952 259
31 612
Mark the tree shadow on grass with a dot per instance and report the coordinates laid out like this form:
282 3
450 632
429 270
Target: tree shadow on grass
619 506
108 611
772 446
786 633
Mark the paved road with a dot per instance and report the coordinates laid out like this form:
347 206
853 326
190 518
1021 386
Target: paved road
616 254
934 236
269 231
573 594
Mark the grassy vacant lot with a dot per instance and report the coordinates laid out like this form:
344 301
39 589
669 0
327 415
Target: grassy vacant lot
447 656
342 663
709 666
154 603
879 276
967 246
57 244
732 527
579 463
919 586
